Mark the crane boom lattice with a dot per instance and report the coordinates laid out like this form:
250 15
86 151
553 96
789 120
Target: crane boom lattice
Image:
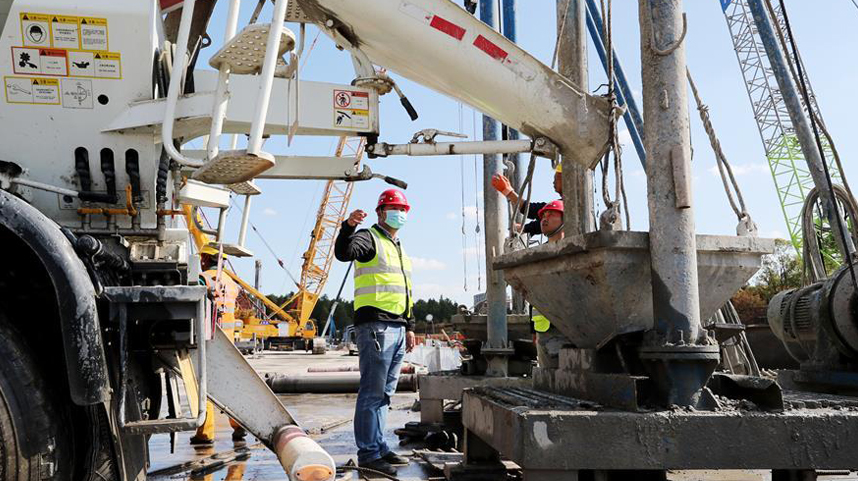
785 158
320 254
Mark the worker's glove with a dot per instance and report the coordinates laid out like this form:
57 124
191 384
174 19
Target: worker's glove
501 184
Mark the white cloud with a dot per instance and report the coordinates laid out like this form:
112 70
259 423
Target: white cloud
434 291
743 169
470 213
776 234
423 264
269 212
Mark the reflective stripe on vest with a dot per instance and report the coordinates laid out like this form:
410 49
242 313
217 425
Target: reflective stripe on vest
540 322
385 281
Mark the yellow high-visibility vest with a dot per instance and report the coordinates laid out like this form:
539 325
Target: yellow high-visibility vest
540 322
385 281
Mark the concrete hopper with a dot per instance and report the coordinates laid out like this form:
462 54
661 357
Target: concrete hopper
597 286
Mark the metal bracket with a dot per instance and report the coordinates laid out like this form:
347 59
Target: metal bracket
120 298
428 135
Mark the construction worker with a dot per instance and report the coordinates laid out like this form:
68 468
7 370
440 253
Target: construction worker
383 320
225 291
548 339
502 184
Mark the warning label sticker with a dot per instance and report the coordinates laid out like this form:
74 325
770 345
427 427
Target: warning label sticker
63 63
108 65
81 64
65 31
351 118
93 33
76 93
29 90
349 99
35 30
41 61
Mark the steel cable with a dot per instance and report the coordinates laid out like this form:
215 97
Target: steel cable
841 229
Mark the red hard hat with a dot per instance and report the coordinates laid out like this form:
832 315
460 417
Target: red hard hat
553 205
393 197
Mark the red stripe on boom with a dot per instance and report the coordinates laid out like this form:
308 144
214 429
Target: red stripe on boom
488 47
447 27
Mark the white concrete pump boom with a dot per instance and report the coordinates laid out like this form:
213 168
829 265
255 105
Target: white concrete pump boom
440 45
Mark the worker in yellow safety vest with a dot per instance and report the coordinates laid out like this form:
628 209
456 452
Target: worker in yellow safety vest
384 323
549 340
225 292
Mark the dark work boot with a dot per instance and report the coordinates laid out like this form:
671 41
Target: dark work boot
379 465
395 460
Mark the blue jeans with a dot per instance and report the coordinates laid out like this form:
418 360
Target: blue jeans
379 372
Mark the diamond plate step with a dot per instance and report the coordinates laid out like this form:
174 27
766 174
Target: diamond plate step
245 52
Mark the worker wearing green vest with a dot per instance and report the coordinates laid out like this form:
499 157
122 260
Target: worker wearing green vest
384 323
548 339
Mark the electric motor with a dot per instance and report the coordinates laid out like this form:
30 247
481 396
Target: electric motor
798 316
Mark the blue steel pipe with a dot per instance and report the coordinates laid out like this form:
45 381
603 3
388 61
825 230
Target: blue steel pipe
508 29
632 116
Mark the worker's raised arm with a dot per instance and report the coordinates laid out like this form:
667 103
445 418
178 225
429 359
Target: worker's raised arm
352 245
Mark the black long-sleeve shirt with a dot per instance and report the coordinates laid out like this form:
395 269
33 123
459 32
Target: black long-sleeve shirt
359 246
533 228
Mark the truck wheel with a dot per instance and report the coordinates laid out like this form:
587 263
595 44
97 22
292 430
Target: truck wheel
34 442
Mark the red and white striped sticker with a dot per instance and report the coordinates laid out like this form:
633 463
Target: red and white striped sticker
435 21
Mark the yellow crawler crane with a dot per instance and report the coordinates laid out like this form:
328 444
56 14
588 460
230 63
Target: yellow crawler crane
289 325
320 253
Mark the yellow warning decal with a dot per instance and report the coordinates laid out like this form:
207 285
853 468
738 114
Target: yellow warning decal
93 33
32 90
35 29
103 65
64 31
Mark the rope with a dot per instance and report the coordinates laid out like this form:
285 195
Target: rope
613 207
560 35
477 207
267 245
724 167
841 229
527 184
462 183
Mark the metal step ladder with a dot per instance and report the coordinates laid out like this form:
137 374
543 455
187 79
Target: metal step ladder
254 50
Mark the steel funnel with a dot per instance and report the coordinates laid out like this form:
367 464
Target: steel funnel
596 286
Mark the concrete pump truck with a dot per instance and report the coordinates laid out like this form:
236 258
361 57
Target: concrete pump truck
102 314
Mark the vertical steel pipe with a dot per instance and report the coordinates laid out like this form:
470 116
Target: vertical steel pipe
678 354
572 64
495 212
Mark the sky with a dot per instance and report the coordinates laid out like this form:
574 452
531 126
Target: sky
446 192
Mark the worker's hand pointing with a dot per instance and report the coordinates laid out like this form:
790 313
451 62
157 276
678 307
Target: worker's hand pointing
356 217
501 184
